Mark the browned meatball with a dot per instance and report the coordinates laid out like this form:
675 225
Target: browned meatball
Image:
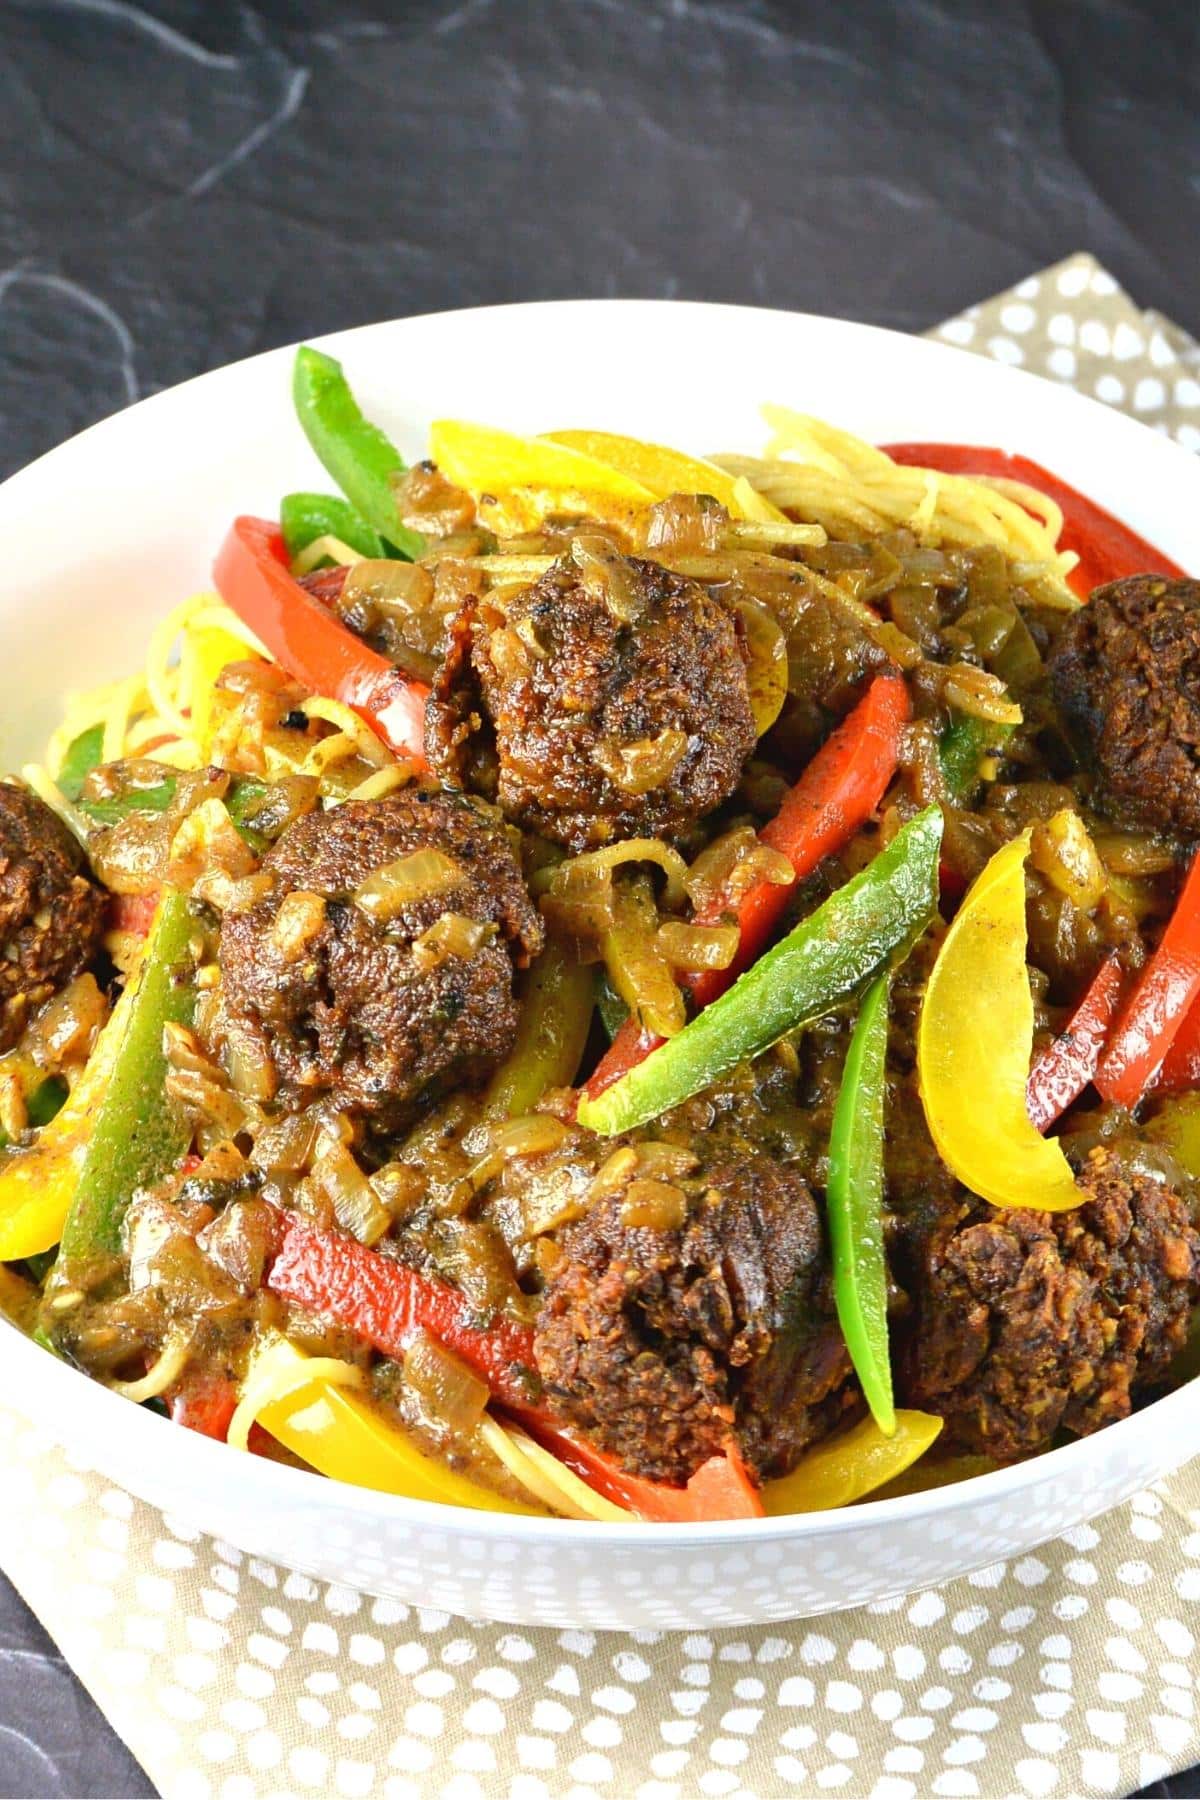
51 911
662 1343
608 700
1126 676
1028 1321
382 1008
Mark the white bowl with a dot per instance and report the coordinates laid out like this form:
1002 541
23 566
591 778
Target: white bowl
105 533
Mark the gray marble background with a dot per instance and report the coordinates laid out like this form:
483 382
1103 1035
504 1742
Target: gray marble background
189 181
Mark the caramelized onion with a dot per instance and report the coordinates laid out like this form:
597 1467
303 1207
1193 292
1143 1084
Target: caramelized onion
454 934
418 876
299 920
398 590
357 1207
653 1205
690 524
768 667
451 1394
731 865
648 763
606 576
697 946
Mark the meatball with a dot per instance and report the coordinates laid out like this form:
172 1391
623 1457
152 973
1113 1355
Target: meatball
382 999
1126 676
610 699
51 911
662 1342
1028 1321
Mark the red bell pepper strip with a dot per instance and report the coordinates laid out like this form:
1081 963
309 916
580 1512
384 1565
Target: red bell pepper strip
721 1488
1107 550
204 1403
386 1302
1181 1065
836 794
1065 1067
134 913
252 576
1165 992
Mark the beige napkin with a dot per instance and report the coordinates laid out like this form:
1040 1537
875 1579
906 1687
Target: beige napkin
1071 1671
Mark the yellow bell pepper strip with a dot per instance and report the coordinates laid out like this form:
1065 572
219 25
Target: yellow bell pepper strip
824 962
303 518
518 481
974 1043
552 1030
946 1469
361 458
665 472
345 1438
36 1184
135 1134
854 1205
205 651
851 1465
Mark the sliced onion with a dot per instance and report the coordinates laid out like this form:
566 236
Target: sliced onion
646 764
768 670
694 947
400 589
631 850
653 1205
731 865
357 1207
300 919
417 876
607 576
454 934
248 1063
452 1395
493 1146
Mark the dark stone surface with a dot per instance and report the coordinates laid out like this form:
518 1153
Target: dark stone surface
190 181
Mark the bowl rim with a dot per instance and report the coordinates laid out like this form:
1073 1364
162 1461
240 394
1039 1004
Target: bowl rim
266 1481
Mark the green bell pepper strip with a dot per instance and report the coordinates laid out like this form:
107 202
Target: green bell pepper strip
962 746
46 1101
612 1009
854 1205
361 458
138 1134
41 1106
243 801
83 755
110 809
305 517
820 965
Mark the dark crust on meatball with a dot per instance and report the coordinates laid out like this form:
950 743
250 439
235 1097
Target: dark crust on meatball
1126 677
352 1015
51 911
524 726
1032 1321
662 1345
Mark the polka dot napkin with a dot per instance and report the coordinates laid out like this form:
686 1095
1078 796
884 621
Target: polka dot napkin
1072 1671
